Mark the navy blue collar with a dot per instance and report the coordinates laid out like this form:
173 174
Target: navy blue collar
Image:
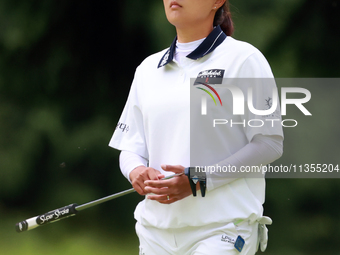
213 40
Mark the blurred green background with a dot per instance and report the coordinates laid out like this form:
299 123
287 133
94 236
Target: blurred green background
65 72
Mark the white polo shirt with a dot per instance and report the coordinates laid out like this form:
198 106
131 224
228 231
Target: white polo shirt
155 124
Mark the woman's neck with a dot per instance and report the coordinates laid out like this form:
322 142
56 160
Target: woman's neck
192 33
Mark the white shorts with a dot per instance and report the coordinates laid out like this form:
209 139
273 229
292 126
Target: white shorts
213 239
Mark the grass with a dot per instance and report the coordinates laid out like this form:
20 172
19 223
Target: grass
63 238
83 243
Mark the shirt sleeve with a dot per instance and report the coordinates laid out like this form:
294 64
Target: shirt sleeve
262 150
128 161
262 104
129 134
262 123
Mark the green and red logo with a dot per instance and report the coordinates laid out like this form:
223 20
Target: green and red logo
212 76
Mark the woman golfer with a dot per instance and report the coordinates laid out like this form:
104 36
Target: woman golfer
155 135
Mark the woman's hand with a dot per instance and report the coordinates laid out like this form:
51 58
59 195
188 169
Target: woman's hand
141 174
171 190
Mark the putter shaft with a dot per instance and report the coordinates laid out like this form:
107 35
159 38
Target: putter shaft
70 210
104 199
108 198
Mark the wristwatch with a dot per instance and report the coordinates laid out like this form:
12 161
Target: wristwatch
196 175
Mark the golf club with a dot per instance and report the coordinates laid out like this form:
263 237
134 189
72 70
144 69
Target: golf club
70 210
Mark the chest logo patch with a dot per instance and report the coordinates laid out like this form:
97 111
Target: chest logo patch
212 76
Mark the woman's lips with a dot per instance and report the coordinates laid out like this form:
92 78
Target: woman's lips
174 4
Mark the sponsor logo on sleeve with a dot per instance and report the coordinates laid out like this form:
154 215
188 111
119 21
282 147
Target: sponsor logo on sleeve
122 127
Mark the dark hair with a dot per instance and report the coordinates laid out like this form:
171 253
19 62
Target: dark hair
223 18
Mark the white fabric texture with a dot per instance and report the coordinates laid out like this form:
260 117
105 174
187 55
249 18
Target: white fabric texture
184 49
262 150
155 124
215 239
128 161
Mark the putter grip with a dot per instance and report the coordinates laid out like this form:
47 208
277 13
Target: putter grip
46 218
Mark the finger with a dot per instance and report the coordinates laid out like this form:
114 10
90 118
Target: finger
163 199
158 197
160 176
139 189
139 185
153 175
157 191
158 184
140 175
167 202
173 168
